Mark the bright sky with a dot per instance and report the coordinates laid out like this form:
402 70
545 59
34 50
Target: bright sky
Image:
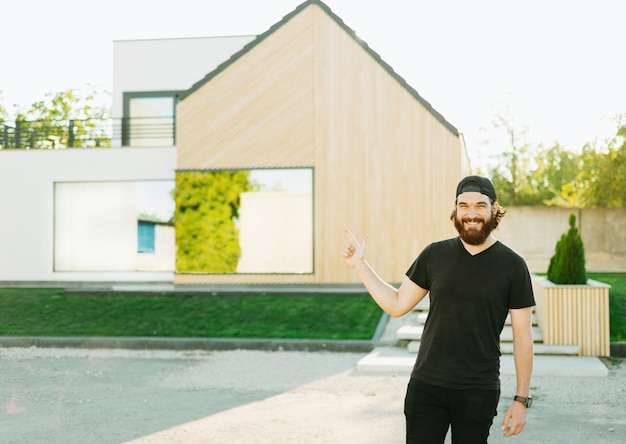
554 66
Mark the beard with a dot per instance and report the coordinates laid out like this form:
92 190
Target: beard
474 235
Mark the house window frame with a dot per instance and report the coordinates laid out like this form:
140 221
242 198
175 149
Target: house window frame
128 96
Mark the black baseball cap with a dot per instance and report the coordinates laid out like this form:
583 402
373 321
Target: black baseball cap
477 184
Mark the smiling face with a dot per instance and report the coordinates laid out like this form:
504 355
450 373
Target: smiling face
473 217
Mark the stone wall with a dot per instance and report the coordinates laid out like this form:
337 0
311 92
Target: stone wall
534 231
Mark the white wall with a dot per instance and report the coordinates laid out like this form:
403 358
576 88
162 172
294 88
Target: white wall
167 64
276 232
27 179
164 256
95 226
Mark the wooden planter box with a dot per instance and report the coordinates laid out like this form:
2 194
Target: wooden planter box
574 315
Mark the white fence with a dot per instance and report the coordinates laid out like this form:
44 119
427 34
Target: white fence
534 232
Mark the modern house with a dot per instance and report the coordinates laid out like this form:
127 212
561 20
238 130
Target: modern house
309 94
328 135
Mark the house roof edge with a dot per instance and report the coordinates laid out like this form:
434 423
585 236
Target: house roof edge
346 28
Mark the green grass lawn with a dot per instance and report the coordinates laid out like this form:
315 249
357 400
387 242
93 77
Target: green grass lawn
617 302
53 312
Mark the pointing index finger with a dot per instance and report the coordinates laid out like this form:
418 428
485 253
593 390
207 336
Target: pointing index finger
351 237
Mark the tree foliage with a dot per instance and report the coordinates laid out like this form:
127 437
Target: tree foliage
594 176
567 265
604 173
207 206
509 177
557 177
546 176
75 117
3 111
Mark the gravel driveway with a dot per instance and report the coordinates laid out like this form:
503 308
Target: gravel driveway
115 396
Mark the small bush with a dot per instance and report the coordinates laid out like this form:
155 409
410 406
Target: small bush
567 266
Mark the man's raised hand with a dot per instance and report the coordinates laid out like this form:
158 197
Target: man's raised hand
352 251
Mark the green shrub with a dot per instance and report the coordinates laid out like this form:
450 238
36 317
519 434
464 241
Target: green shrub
207 206
567 266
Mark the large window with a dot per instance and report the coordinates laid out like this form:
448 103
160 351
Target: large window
244 221
114 226
236 221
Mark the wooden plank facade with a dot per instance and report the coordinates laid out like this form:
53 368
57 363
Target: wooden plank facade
310 93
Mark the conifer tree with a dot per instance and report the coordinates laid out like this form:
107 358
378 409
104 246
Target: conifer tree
567 265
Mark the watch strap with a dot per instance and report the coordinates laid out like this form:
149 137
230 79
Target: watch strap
524 400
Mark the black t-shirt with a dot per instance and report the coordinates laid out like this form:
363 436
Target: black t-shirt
470 297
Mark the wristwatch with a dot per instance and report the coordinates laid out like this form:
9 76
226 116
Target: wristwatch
528 401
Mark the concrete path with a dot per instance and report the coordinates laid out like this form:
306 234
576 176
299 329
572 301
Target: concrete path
86 396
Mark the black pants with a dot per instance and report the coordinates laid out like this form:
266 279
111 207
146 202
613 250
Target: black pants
430 411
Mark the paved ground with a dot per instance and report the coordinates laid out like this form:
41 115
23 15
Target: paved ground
131 396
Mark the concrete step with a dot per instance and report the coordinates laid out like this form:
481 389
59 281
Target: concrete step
421 317
414 333
507 349
410 332
396 360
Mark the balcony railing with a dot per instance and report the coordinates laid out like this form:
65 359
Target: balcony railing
88 133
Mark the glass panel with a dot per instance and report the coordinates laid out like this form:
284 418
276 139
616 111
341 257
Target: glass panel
151 121
97 226
245 221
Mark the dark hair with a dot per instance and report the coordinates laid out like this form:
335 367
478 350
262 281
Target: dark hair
498 213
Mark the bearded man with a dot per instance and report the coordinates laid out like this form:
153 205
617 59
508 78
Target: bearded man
474 282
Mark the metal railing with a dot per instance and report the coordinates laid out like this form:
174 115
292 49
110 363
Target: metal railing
88 133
